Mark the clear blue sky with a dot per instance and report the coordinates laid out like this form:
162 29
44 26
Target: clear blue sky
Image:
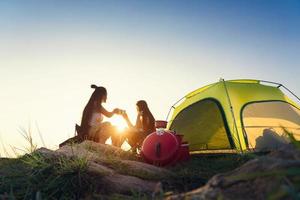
51 51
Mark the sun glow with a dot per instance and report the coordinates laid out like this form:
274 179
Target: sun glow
125 146
119 123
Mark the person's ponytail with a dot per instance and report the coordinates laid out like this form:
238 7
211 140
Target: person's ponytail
97 95
94 86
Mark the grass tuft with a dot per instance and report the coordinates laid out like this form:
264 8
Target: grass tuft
197 171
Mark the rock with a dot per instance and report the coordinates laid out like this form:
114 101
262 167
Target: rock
108 181
123 184
99 170
287 152
150 169
110 168
47 153
93 150
257 179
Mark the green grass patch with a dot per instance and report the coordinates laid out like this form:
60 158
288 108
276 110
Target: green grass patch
200 168
35 176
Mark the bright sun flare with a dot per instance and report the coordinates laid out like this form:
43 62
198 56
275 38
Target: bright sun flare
120 123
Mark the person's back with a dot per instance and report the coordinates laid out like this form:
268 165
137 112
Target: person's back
145 124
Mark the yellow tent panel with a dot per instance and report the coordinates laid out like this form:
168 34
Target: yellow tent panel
236 114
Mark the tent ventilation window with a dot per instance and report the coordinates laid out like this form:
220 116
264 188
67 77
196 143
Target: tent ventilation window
202 124
264 124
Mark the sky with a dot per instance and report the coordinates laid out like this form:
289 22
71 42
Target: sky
52 51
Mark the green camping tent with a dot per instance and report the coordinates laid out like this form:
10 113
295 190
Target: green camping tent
238 115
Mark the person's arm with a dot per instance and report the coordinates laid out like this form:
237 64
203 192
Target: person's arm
125 116
107 113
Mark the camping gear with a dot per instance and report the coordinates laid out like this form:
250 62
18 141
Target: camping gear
164 147
160 124
236 115
78 138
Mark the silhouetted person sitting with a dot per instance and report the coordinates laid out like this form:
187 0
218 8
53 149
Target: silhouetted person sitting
145 124
92 125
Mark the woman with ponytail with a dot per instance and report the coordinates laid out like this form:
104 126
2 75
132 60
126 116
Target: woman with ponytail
92 127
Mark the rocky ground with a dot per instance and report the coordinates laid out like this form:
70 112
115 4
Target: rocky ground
87 170
274 176
95 171
113 170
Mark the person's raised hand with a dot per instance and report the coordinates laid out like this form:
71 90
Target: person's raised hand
117 111
124 114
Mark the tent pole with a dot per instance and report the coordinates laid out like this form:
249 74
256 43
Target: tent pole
281 85
169 112
232 113
291 93
173 107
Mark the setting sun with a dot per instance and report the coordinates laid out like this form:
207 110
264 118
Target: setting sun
118 122
121 125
